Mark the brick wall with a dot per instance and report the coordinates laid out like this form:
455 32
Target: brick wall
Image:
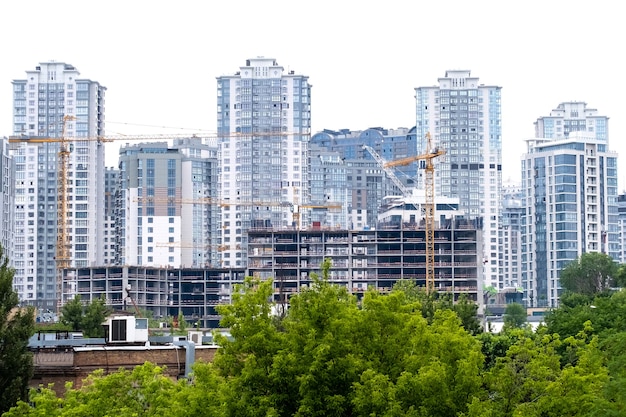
74 365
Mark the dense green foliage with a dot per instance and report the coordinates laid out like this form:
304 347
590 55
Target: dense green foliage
515 316
404 353
87 318
16 327
590 274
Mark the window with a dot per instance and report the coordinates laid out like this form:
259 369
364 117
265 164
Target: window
118 330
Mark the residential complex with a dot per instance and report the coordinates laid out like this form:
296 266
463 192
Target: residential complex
464 118
41 102
180 222
570 207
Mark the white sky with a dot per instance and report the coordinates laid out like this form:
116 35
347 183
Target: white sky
159 59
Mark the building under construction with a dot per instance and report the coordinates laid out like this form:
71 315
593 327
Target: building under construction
367 259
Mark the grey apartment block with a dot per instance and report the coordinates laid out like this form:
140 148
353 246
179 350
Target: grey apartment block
168 212
510 238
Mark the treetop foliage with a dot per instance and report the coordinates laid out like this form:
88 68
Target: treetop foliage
17 325
404 353
87 318
592 273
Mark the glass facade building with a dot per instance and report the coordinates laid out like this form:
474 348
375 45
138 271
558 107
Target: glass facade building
570 208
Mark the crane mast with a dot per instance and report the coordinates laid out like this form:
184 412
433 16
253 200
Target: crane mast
64 246
429 204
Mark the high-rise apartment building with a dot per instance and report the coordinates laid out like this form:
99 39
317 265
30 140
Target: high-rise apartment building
264 126
464 118
621 209
41 101
328 182
572 116
111 194
570 208
7 196
168 211
510 243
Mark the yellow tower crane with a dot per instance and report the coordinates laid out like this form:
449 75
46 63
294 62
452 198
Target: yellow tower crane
64 245
429 203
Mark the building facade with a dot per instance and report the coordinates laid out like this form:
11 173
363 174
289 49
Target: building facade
390 144
328 182
111 192
7 197
621 208
369 258
570 208
367 184
464 118
510 242
264 127
194 292
167 205
572 116
53 100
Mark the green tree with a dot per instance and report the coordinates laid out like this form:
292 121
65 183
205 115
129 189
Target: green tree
87 318
95 314
17 325
606 312
332 356
144 391
72 314
182 323
590 274
515 316
530 381
467 310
